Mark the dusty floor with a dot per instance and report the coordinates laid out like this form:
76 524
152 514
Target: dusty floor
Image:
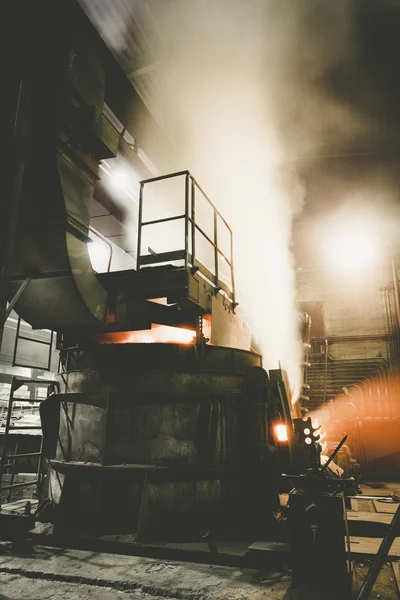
77 574
52 573
18 587
82 575
385 587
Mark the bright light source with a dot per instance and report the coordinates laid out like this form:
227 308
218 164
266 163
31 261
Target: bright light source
158 334
121 177
281 432
99 254
353 245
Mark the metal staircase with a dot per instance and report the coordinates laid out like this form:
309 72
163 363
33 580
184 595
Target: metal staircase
9 462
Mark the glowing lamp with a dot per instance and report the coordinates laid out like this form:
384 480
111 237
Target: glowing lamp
281 433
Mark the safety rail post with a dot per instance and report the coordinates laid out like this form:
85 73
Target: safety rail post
187 221
234 303
216 248
193 222
139 239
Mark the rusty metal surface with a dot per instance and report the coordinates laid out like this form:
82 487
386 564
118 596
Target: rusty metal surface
161 440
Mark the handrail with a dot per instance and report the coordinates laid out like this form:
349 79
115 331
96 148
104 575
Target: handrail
162 177
190 219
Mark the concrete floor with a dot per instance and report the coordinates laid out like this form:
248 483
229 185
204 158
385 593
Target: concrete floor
67 574
77 574
385 587
18 587
51 573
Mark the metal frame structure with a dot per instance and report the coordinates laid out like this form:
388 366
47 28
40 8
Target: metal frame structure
16 383
190 261
36 341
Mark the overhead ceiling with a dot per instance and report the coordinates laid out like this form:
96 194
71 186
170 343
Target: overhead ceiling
129 29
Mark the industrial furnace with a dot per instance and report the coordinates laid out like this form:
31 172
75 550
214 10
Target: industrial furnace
163 420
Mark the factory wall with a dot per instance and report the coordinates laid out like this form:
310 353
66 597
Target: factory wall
346 308
353 334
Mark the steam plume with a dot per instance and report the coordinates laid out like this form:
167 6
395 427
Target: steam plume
247 88
219 75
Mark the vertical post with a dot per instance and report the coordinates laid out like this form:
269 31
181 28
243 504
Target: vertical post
50 350
16 342
12 476
186 221
139 237
193 222
216 248
396 290
6 432
232 273
325 371
396 334
11 200
39 468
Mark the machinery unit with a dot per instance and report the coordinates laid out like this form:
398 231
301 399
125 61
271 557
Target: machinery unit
167 439
156 440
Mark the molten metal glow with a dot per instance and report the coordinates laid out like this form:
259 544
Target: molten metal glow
281 433
157 334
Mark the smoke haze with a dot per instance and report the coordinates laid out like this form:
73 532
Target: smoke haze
228 71
249 92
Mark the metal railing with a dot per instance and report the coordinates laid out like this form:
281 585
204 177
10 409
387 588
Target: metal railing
33 340
16 383
191 227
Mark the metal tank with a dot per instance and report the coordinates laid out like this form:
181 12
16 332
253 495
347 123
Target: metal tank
163 442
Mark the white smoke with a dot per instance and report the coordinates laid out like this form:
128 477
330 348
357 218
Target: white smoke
241 91
217 70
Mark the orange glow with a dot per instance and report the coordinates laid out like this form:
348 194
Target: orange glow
161 334
281 432
369 414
